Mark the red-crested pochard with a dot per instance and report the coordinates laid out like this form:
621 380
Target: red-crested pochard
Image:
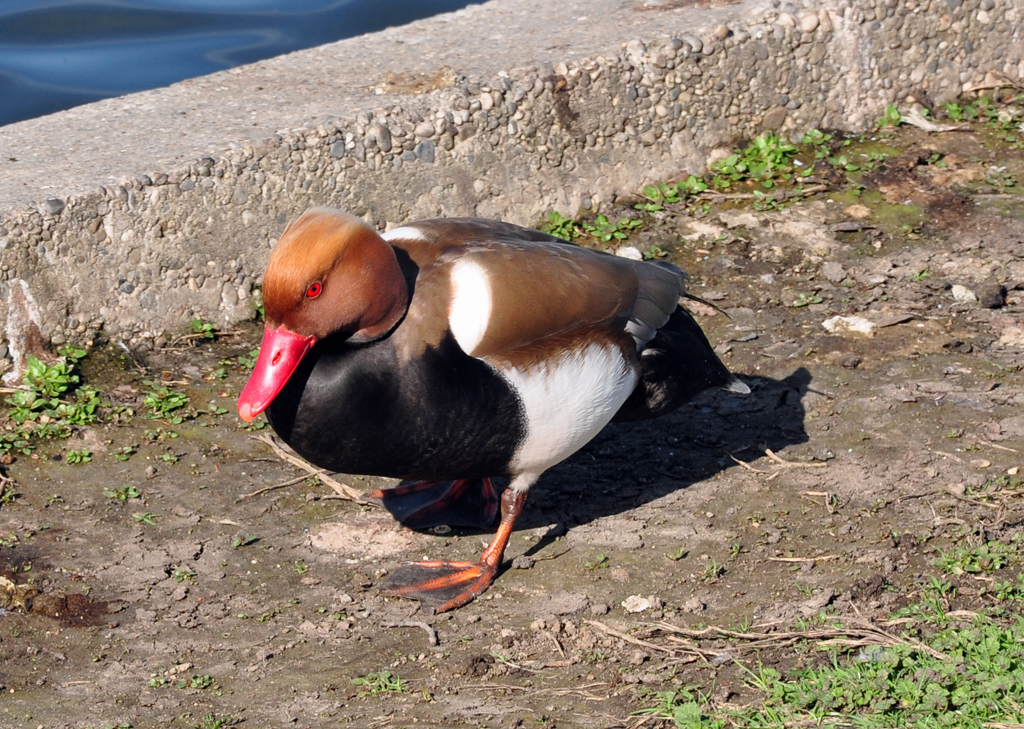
452 351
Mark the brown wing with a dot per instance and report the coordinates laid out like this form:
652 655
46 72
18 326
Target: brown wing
542 286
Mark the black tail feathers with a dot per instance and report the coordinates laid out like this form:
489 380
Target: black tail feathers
675 366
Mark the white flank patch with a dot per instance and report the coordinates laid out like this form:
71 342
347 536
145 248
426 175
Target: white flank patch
567 402
470 310
406 232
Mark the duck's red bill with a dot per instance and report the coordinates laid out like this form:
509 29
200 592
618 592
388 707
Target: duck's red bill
280 353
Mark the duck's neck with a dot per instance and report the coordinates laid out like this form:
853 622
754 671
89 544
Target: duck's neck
388 298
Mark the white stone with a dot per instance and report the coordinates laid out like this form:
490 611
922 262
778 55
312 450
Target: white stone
850 325
962 293
636 604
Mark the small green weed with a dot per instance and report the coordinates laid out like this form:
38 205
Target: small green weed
1008 590
687 708
8 494
711 571
245 361
655 252
843 162
560 226
984 558
82 456
691 186
804 299
600 563
248 361
954 111
243 540
764 202
212 721
817 138
123 494
160 434
200 683
204 330
214 409
167 404
145 517
181 574
383 682
606 231
657 197
873 159
999 177
766 159
124 453
678 554
49 402
267 617
10 541
891 117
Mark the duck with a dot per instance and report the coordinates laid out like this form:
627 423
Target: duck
454 353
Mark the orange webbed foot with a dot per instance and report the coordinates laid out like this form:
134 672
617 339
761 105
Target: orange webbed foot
448 585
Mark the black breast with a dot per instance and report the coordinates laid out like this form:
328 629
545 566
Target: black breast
357 410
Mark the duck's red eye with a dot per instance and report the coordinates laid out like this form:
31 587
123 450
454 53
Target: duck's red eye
314 290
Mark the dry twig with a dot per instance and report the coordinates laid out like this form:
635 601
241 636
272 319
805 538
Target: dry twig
196 338
431 633
554 639
343 490
780 463
947 455
791 464
746 465
803 559
855 632
915 118
829 499
994 80
693 650
788 195
289 482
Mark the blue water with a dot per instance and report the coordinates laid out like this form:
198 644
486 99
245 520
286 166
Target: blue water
55 54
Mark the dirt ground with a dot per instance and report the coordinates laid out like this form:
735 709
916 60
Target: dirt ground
184 601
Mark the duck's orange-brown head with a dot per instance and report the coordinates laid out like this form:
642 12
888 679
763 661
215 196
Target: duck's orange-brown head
330 273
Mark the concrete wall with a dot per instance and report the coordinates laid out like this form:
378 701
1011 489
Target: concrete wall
131 216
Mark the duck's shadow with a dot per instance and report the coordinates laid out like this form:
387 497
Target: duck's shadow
631 464
628 465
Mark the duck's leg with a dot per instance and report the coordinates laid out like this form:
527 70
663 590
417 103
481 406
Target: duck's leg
453 584
425 504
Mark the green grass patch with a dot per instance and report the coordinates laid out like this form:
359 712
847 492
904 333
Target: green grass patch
968 674
927 667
